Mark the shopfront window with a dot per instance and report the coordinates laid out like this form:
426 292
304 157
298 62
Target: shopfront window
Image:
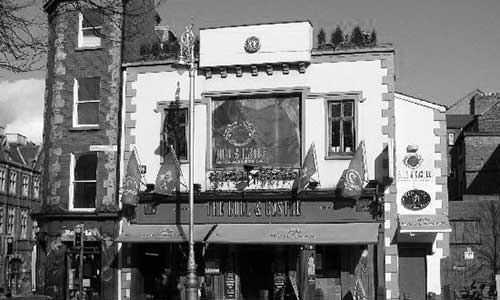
259 130
83 276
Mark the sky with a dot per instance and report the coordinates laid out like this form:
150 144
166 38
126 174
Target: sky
444 48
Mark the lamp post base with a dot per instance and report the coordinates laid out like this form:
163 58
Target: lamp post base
191 285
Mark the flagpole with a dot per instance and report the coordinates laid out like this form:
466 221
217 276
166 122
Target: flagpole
187 57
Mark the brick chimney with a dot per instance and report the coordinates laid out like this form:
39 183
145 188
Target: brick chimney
481 103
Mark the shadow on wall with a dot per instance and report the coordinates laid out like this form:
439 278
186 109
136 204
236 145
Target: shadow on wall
485 181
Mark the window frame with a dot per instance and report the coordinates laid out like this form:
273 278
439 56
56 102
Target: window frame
77 102
81 39
11 221
25 186
355 98
12 182
23 224
71 202
2 220
3 180
163 107
36 187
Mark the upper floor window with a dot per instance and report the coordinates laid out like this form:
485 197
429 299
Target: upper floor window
3 180
25 188
2 220
24 224
175 126
90 29
341 127
36 187
34 229
11 219
12 182
257 130
83 176
87 94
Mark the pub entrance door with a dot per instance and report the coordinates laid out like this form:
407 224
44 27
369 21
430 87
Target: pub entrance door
412 272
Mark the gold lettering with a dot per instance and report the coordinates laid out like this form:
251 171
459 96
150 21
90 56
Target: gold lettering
258 209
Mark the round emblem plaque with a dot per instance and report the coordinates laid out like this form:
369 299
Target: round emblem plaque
252 44
415 199
413 160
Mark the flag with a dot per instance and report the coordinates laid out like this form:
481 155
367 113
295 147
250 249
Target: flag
309 168
169 176
352 181
132 181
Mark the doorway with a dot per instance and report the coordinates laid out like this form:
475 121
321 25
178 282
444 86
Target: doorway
413 272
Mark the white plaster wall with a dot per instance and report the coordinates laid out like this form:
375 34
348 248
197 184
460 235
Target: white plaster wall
415 126
281 42
434 267
361 76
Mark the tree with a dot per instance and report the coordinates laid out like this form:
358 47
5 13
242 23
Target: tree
321 38
373 37
356 36
22 42
489 250
337 37
23 29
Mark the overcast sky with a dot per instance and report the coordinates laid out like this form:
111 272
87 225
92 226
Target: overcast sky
444 48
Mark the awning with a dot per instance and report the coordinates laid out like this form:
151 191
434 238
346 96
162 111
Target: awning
351 233
424 223
136 233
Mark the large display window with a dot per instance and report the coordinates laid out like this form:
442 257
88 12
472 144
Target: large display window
262 130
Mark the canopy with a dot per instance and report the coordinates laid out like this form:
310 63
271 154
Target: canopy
424 223
348 233
136 233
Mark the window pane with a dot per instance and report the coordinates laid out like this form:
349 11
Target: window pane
84 196
85 167
175 131
335 136
88 113
89 88
348 136
92 18
348 108
335 110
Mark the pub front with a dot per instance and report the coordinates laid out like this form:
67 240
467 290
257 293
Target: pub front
270 113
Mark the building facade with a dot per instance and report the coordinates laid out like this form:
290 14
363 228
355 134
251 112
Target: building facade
266 109
416 223
474 160
19 197
79 215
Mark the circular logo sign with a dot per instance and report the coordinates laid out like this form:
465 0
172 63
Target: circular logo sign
415 199
413 160
252 44
239 134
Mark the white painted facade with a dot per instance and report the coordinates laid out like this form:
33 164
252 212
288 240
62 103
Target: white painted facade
363 77
418 136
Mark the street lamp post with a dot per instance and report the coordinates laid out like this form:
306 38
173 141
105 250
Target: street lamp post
186 57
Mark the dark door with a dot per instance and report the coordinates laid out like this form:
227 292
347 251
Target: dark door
412 273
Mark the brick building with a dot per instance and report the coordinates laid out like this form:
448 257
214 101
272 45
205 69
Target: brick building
474 189
19 197
81 132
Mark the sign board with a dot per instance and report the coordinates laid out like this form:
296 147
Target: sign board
104 148
469 254
229 285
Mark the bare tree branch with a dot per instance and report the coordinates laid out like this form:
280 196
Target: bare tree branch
22 36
